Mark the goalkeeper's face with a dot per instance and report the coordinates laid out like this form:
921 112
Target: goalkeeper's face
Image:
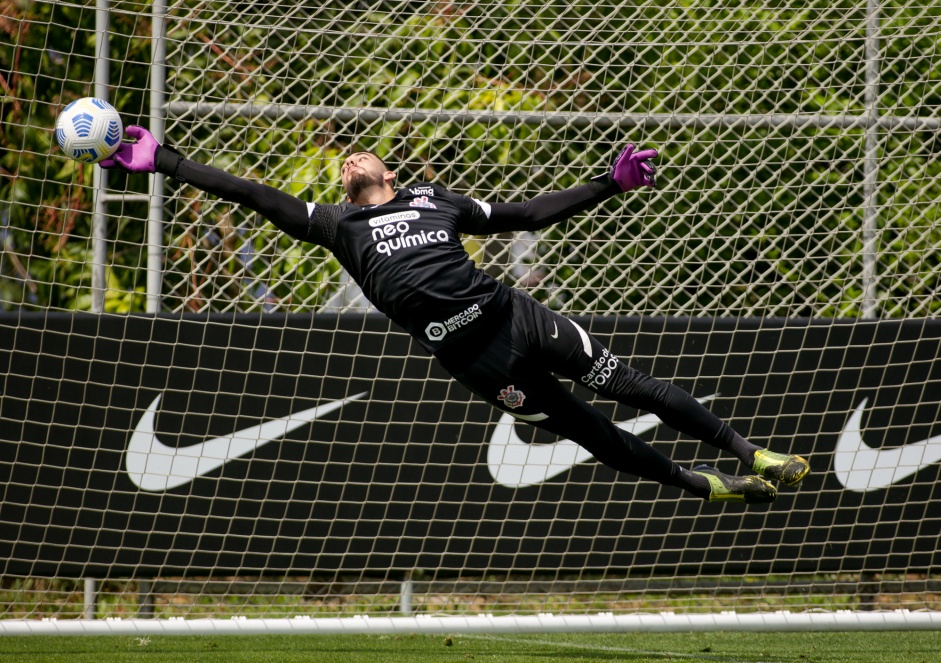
364 175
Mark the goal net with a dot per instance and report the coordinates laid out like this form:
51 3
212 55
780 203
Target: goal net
202 417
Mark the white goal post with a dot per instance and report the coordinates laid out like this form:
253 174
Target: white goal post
667 622
786 270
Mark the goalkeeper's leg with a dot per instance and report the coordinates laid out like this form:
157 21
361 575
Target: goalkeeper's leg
679 410
565 348
541 400
514 383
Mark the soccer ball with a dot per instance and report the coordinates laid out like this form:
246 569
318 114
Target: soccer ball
89 130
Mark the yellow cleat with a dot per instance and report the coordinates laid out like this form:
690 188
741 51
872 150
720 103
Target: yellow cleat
728 488
789 470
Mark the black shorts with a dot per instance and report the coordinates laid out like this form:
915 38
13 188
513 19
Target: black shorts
516 372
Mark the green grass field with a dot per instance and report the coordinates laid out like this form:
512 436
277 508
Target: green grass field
877 647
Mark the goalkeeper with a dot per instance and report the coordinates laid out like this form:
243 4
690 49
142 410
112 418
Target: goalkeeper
402 246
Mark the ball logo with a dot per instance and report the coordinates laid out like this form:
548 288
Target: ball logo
82 123
511 397
113 135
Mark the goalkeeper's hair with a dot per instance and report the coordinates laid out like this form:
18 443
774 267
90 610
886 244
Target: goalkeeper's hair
364 150
381 160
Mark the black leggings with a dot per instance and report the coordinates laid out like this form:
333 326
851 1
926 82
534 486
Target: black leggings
516 373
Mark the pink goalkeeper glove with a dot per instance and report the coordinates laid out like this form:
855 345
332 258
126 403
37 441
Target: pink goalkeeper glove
633 170
137 157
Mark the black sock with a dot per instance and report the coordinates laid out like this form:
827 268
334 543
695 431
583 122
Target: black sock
641 459
680 411
694 483
735 444
743 449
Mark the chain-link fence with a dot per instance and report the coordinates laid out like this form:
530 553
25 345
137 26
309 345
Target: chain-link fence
798 170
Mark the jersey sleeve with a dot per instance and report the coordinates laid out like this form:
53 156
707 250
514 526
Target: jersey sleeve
308 222
538 212
473 213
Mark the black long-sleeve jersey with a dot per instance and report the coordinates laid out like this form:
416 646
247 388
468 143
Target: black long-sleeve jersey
406 254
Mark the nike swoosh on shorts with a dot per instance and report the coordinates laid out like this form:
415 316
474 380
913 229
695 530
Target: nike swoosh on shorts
860 468
154 466
516 464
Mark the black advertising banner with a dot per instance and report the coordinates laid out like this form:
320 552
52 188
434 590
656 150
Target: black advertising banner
142 445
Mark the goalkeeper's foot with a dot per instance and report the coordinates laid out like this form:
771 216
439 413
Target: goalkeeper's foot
789 470
728 488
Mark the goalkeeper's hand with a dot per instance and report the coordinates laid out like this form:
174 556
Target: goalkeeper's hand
633 170
137 157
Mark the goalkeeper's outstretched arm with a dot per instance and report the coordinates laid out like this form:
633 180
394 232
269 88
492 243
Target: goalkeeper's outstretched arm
546 209
289 214
631 170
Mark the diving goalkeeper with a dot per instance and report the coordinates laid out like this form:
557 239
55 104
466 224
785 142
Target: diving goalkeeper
402 246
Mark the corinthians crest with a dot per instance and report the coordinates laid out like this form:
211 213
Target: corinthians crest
511 397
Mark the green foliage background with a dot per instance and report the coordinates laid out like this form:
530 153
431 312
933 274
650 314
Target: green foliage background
793 197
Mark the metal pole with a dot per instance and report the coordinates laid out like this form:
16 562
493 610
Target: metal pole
295 112
157 125
405 594
91 599
870 228
145 603
99 237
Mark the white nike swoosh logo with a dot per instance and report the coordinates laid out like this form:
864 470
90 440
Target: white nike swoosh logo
555 331
516 464
153 466
860 468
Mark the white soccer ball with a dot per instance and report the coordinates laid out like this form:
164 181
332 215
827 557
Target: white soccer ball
89 130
